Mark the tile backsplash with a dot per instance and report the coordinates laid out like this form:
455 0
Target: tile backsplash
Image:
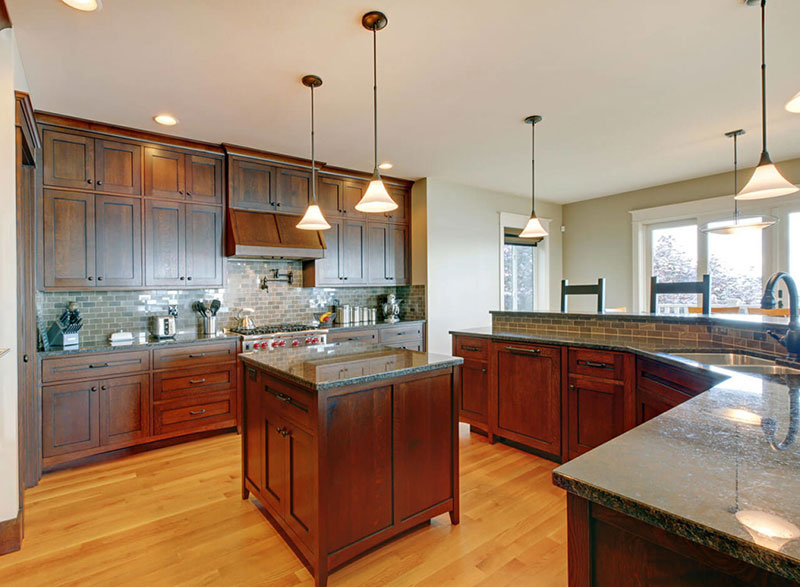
104 312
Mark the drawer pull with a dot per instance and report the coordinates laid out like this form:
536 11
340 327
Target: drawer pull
595 365
98 366
483 370
197 412
521 351
286 399
197 381
200 356
282 431
474 349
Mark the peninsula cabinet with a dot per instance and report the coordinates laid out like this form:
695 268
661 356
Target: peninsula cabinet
474 396
660 388
182 175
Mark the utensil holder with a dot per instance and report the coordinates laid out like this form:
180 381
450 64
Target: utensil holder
209 324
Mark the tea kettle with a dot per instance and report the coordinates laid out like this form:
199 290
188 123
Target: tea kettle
246 319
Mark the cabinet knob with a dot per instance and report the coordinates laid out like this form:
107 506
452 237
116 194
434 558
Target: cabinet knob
89 181
90 278
571 386
483 370
188 194
180 192
94 388
104 387
188 279
99 182
25 358
181 278
99 279
278 204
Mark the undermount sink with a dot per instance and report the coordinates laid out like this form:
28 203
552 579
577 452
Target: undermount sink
742 363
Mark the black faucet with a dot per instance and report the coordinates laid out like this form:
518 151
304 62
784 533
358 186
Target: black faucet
791 340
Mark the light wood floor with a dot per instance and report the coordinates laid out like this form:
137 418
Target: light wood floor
175 516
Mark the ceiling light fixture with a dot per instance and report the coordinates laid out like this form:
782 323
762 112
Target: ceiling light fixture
793 105
738 223
767 181
534 228
84 5
385 165
313 218
165 119
376 199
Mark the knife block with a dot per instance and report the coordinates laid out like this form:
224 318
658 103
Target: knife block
60 339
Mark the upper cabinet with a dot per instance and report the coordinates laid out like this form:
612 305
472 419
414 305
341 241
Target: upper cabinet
118 167
183 176
203 179
294 190
257 185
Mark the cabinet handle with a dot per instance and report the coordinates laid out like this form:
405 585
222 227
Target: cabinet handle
470 348
197 381
94 388
104 387
594 364
188 194
180 192
98 366
201 355
282 431
99 182
521 351
285 398
197 412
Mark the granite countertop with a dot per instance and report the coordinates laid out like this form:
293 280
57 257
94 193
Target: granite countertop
96 346
346 363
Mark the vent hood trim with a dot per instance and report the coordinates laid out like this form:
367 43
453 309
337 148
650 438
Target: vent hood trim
251 234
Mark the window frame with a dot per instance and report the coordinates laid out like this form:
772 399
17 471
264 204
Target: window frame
541 261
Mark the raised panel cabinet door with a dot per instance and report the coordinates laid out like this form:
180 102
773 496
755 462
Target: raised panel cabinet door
204 179
529 395
294 190
402 199
379 255
252 185
475 390
398 238
273 463
301 481
70 418
253 429
330 196
124 409
352 192
164 173
118 230
203 245
353 251
69 239
595 412
329 268
165 243
67 160
118 167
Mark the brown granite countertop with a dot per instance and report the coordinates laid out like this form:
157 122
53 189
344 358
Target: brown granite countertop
346 363
103 345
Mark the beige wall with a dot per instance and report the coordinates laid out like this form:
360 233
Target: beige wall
456 253
598 240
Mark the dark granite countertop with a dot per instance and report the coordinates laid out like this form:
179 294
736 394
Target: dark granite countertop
346 363
103 345
704 470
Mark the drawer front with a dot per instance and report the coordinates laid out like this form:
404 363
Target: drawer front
409 345
660 378
470 347
198 354
287 402
391 334
94 366
361 335
192 414
602 364
189 382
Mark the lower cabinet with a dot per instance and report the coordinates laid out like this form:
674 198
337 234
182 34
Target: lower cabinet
660 388
405 335
595 413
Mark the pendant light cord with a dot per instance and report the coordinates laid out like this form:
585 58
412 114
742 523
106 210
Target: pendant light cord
375 91
313 159
533 169
735 178
763 77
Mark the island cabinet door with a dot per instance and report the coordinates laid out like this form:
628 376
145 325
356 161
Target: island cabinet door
273 483
474 391
253 430
595 412
301 473
528 395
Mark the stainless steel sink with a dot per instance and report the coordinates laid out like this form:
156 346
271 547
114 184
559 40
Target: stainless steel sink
728 359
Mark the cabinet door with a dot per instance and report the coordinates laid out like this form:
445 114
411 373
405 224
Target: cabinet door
352 192
252 185
124 409
529 395
330 196
204 179
595 413
401 197
379 255
165 244
118 167
474 390
294 191
70 418
329 268
68 160
253 429
273 462
118 230
203 245
398 239
353 248
69 239
164 173
301 496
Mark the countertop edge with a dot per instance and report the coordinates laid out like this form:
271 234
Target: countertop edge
136 346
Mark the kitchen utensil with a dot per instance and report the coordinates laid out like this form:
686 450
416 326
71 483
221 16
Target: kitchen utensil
210 324
215 305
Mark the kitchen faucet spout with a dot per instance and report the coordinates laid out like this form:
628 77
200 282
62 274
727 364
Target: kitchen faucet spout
791 340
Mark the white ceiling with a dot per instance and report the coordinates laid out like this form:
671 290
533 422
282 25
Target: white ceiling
633 94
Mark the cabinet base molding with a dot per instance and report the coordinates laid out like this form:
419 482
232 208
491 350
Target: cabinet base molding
11 534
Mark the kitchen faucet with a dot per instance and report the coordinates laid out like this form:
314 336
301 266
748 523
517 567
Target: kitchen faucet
791 340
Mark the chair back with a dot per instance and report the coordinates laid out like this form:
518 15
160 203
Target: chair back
702 288
598 290
779 312
718 310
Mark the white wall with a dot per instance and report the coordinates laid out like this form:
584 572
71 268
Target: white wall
9 481
461 236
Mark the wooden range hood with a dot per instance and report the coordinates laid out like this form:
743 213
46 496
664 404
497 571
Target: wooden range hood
265 235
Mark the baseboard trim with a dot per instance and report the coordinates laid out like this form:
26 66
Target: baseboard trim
11 534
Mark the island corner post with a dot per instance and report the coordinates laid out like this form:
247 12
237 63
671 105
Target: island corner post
342 468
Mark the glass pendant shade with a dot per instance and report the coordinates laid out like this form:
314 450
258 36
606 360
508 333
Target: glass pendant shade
533 229
738 225
793 105
376 199
313 219
767 182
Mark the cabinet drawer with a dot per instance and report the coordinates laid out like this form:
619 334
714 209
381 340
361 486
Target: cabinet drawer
602 364
471 347
288 402
397 333
200 413
189 382
200 354
94 365
409 345
360 335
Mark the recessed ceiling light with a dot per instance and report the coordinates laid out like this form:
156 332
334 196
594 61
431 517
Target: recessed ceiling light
794 104
84 5
385 165
165 119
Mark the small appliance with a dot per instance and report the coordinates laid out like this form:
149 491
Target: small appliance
164 326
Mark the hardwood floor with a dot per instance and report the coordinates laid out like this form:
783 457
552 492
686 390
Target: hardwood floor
174 516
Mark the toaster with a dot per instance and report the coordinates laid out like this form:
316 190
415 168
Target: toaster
163 327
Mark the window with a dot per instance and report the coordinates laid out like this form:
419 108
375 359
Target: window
674 258
794 244
735 265
518 272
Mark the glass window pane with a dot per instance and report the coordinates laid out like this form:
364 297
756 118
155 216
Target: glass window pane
518 275
734 263
674 259
794 245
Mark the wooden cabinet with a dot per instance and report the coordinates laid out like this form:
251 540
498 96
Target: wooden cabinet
595 413
387 254
203 179
252 185
182 176
203 245
403 200
124 409
328 270
660 388
352 247
474 404
352 192
330 196
118 167
67 160
408 335
294 190
118 241
399 254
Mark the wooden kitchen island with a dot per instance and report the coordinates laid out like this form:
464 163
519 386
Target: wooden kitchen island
347 445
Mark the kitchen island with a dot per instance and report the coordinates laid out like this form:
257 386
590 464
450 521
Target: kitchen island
347 445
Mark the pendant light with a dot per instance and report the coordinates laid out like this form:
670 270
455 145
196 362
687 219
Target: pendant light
793 105
534 228
376 199
313 218
767 181
738 223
